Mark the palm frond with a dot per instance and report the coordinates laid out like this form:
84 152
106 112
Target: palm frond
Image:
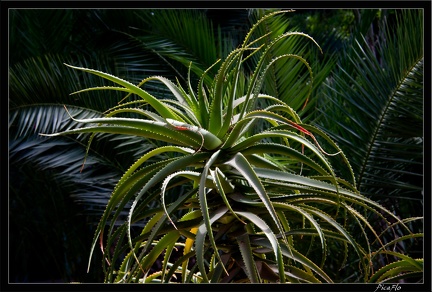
181 36
66 154
288 79
374 110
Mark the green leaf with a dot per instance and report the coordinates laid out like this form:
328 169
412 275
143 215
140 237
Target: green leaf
157 178
240 163
248 260
191 175
204 229
155 103
166 241
373 109
271 238
261 148
403 266
298 257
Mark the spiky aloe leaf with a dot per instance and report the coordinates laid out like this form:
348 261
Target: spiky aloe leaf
248 259
271 239
154 102
406 266
240 163
298 257
203 230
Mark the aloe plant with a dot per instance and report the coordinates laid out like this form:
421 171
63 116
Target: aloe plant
230 192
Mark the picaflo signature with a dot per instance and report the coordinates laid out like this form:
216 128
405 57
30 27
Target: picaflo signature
389 288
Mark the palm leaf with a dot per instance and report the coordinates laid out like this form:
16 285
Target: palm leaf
287 77
379 123
181 36
66 154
